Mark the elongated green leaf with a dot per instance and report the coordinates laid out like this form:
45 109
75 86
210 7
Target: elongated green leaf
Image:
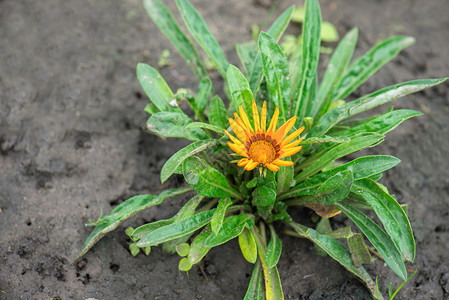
164 20
362 167
247 53
173 124
273 287
174 162
372 100
337 251
177 229
384 123
391 215
206 180
310 54
240 92
201 33
145 229
204 91
378 238
205 126
362 68
334 189
359 252
275 70
198 248
334 72
248 245
255 288
325 139
274 249
155 87
217 219
231 228
285 178
275 31
359 142
124 211
217 113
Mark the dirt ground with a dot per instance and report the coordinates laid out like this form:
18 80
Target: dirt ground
73 142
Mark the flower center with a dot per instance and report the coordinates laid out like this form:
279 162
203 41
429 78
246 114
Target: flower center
262 152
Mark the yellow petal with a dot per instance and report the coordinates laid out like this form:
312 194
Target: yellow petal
291 137
256 117
283 163
290 152
284 129
233 139
293 144
263 116
237 149
245 119
272 167
239 132
243 162
273 123
251 166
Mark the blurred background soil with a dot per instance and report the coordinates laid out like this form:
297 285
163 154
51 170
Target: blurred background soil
73 143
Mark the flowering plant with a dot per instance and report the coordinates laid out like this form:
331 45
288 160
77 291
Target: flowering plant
297 160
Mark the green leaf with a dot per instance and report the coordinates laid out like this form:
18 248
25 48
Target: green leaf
328 32
184 265
126 210
285 178
164 20
368 64
273 287
177 229
275 70
206 180
264 196
385 95
361 167
359 142
275 31
274 249
145 229
217 219
383 123
325 139
151 108
334 72
247 53
173 124
198 248
248 245
134 249
337 251
239 89
335 188
391 215
231 228
201 33
155 87
255 288
217 113
378 238
174 162
205 126
204 91
359 252
311 43
183 249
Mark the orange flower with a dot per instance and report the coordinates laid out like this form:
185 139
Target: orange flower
261 147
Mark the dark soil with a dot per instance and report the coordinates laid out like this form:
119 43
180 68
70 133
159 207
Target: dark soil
72 143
